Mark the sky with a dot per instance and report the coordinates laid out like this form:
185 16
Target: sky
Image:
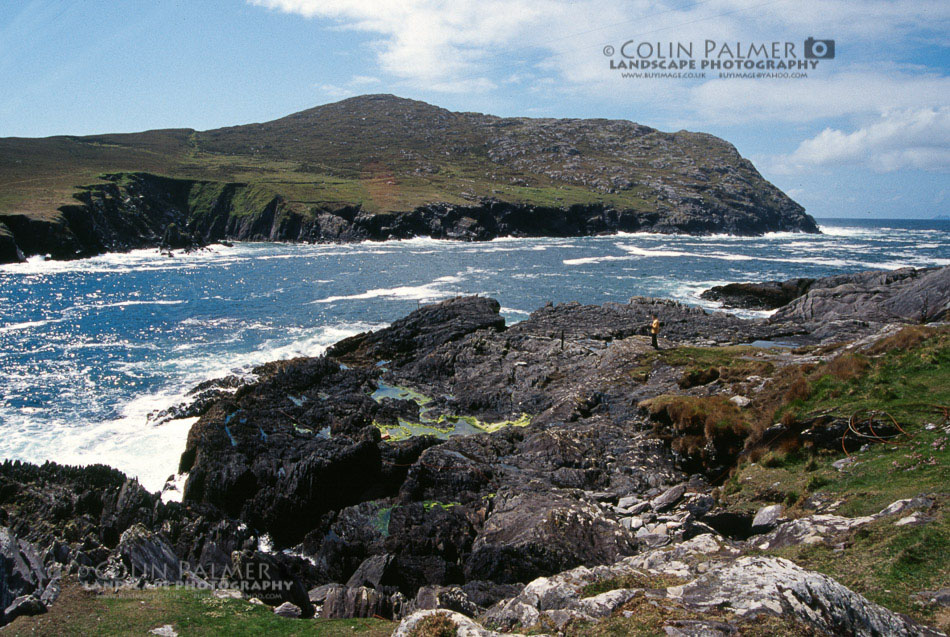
865 133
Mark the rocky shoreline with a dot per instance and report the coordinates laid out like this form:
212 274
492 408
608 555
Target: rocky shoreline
535 476
378 167
141 210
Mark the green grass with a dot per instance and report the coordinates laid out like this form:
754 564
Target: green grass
189 612
886 564
730 364
905 382
908 377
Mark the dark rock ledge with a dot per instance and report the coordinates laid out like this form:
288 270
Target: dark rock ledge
141 210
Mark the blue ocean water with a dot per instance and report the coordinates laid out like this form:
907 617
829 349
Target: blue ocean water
89 348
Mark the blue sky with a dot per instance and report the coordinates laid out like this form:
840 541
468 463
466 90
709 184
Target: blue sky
865 134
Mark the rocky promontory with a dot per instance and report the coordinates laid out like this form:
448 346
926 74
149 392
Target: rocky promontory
550 476
378 167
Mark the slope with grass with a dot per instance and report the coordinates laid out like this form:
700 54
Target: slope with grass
375 167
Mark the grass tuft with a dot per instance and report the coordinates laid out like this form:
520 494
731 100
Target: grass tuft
436 625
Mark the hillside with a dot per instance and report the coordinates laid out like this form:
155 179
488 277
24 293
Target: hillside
375 167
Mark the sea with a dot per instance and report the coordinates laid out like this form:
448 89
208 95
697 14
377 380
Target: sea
90 348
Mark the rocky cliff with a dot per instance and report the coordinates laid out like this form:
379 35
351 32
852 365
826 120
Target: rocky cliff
379 167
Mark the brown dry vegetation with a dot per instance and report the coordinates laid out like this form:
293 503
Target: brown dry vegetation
693 425
906 339
437 625
844 367
696 425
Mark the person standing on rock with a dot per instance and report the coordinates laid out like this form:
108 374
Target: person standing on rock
655 330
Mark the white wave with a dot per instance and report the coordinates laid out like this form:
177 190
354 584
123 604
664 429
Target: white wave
174 488
99 344
587 260
128 442
414 241
26 325
131 303
645 252
726 257
427 292
842 231
853 231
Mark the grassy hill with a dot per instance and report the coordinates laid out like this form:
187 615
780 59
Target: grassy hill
383 154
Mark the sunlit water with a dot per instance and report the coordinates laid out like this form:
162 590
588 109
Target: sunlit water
88 348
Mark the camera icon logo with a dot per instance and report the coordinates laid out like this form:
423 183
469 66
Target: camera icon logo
819 49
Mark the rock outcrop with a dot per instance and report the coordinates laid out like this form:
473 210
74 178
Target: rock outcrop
767 295
26 587
143 210
9 251
844 305
271 579
441 463
712 575
921 296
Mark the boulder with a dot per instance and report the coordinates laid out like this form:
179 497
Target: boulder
668 498
740 401
288 610
908 295
909 504
25 586
148 557
451 598
716 578
371 572
177 239
776 586
812 529
767 295
344 601
767 518
9 251
23 606
421 331
269 578
465 626
528 534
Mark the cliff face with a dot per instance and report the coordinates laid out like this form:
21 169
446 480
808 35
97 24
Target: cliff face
380 167
134 211
9 252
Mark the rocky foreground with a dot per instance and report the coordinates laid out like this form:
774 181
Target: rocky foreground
544 476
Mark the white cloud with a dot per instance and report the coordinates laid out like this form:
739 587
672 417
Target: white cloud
353 86
916 139
553 47
843 94
335 92
438 43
